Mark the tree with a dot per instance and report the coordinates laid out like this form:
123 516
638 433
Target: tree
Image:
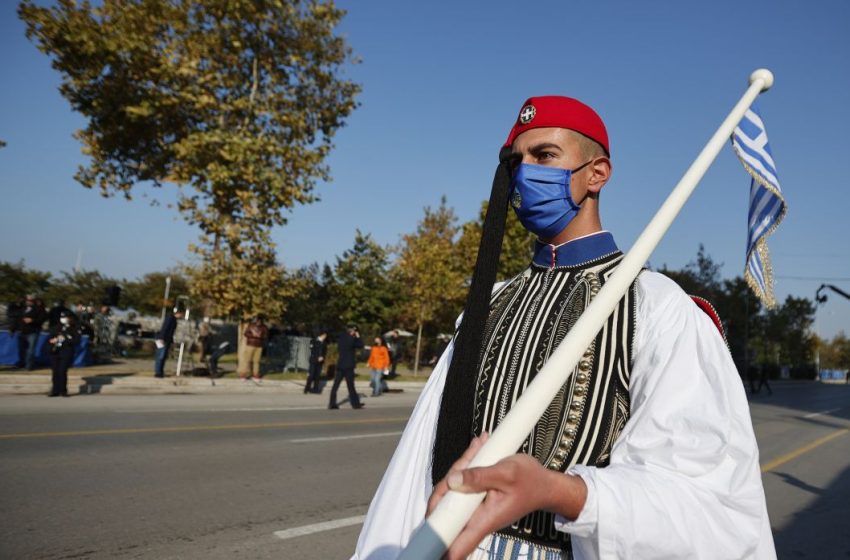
788 339
236 103
16 281
700 277
835 354
517 245
145 295
87 287
308 306
240 285
433 286
360 291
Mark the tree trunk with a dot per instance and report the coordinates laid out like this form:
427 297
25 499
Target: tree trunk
418 346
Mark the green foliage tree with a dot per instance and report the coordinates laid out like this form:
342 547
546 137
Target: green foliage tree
787 335
16 281
432 284
309 305
236 103
757 337
360 291
87 287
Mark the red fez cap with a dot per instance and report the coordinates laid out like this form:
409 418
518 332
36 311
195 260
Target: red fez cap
561 112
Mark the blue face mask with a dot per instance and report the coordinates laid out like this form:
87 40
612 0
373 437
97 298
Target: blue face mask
540 196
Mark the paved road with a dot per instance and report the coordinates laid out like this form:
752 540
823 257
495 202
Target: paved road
244 476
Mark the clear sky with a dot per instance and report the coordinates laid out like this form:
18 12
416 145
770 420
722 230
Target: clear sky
442 84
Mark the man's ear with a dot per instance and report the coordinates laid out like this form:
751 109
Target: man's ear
600 172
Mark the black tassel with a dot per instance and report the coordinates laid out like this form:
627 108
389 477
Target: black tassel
454 426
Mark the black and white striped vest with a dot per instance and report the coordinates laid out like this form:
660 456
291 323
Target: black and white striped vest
529 316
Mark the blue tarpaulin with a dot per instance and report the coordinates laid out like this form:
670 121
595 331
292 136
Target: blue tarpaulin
9 350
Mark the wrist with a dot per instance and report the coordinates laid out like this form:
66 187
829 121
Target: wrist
568 495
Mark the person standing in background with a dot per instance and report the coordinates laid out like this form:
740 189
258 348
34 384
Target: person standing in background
31 318
256 334
318 350
379 362
63 341
164 340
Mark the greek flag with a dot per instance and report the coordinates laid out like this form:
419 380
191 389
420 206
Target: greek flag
767 206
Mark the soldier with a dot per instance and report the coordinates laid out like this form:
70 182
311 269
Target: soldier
63 341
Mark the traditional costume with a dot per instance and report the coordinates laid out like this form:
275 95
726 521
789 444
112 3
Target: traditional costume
654 418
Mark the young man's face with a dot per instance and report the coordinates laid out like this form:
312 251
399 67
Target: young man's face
553 147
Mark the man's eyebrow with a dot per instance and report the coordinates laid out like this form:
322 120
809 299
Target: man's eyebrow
544 146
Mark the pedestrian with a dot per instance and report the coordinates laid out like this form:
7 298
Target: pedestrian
203 342
255 335
63 342
647 452
763 376
395 350
379 363
164 340
32 317
318 351
348 344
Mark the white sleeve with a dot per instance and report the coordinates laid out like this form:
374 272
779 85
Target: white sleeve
684 479
399 505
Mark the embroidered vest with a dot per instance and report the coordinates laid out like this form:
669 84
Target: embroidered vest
529 317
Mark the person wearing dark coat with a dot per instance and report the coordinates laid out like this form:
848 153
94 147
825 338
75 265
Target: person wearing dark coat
348 344
164 340
318 349
31 319
63 340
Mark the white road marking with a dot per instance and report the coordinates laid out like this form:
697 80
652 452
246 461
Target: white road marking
339 438
319 527
822 412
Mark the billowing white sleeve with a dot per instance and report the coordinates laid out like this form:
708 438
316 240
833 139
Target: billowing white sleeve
684 479
399 505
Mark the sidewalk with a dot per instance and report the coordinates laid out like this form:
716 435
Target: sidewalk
134 377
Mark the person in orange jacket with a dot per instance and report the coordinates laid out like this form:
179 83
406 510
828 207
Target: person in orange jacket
379 362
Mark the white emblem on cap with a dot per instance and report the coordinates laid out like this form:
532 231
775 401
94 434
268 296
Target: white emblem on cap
527 114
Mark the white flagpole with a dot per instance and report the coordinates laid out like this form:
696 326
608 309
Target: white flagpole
433 538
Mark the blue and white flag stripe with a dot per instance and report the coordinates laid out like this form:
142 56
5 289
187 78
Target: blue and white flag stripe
767 205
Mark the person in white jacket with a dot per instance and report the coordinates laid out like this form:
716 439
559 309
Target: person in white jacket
648 450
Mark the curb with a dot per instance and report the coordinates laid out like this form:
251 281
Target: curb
36 384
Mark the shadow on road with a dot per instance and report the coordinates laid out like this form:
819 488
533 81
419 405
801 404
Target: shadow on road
816 531
93 384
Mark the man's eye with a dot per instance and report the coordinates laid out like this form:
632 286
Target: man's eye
545 155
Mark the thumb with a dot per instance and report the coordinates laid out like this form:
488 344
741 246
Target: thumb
469 481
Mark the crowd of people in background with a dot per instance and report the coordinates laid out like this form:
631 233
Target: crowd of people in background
29 317
65 327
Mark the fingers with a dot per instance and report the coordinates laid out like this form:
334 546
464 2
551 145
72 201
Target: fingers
468 539
481 479
442 487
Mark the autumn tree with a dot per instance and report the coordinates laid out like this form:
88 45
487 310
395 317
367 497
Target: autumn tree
835 354
146 294
433 286
517 245
234 103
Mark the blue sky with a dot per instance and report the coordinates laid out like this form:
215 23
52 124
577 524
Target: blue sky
442 83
